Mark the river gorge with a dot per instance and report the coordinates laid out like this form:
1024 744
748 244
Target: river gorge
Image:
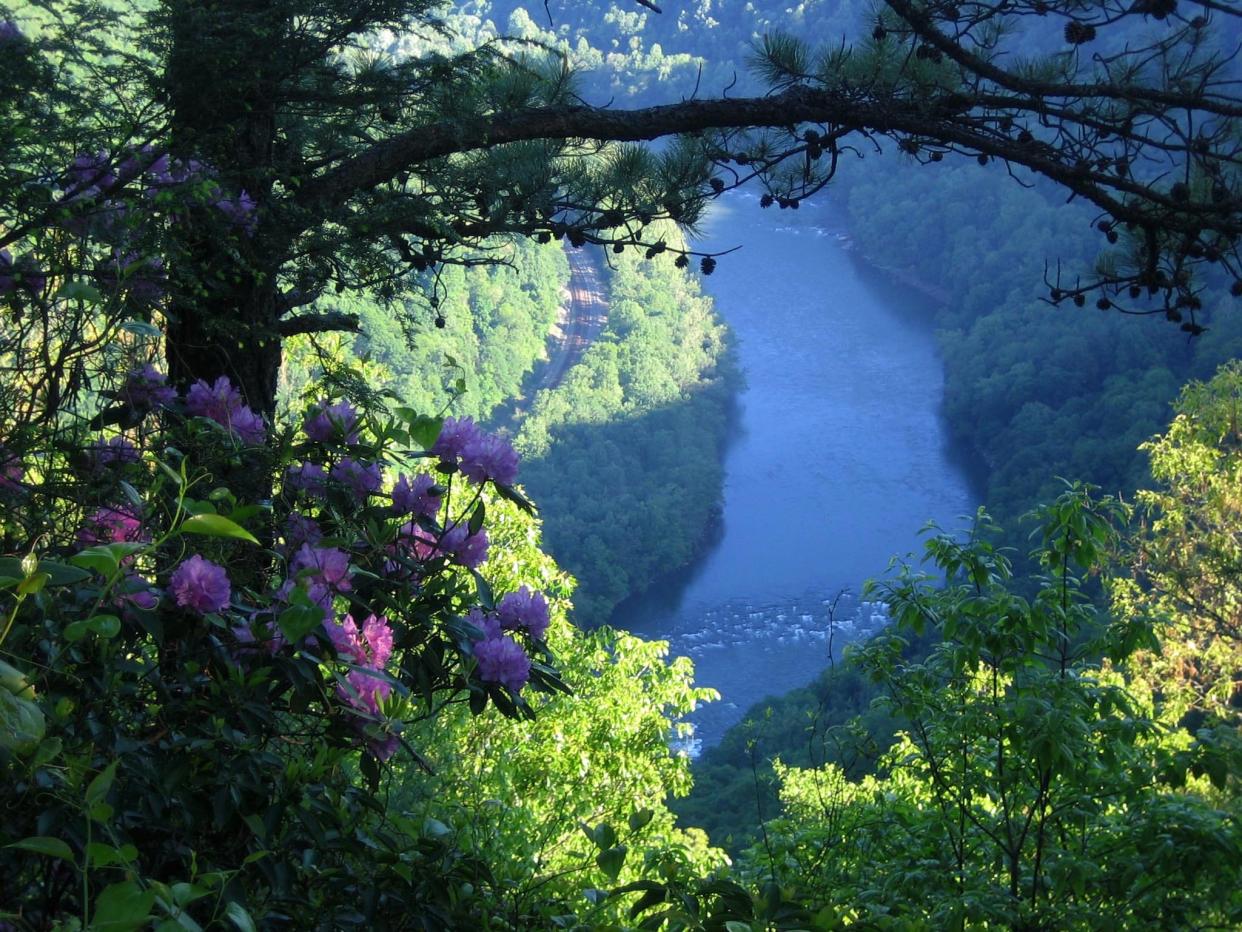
839 456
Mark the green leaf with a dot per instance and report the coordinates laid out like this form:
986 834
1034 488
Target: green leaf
239 917
301 617
79 291
106 626
215 526
121 907
102 783
477 518
32 584
604 836
639 819
42 844
425 431
141 328
611 861
59 574
101 855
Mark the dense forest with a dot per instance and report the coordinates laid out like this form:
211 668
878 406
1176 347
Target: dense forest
280 646
624 455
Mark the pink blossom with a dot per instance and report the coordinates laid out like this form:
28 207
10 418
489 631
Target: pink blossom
502 660
489 457
361 479
326 566
222 403
110 526
146 389
299 530
524 609
369 649
417 497
309 477
115 451
329 423
200 585
470 550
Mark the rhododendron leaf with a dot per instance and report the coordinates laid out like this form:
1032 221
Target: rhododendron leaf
106 626
121 907
212 525
58 573
132 494
511 494
640 819
141 328
79 291
484 590
301 618
32 584
611 861
477 518
48 847
424 430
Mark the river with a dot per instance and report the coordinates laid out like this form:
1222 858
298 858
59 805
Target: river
839 457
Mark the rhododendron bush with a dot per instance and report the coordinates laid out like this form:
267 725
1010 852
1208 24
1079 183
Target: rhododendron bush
240 674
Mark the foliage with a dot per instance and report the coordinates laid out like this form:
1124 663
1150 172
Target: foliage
1032 786
1187 567
243 690
624 455
496 320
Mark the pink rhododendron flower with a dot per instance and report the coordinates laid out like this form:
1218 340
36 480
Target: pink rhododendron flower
369 648
309 477
415 497
328 423
489 457
110 526
327 566
361 479
524 609
299 530
115 451
479 456
136 592
200 585
470 550
222 403
502 660
147 388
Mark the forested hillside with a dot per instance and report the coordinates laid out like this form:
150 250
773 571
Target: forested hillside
496 324
624 456
279 645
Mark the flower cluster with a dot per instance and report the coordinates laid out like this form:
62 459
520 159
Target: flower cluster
336 423
111 526
362 479
222 403
477 455
500 657
22 273
420 498
113 452
524 610
146 389
200 585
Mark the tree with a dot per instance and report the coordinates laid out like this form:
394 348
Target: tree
1187 579
323 165
1033 784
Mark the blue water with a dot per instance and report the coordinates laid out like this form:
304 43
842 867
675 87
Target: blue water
840 456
